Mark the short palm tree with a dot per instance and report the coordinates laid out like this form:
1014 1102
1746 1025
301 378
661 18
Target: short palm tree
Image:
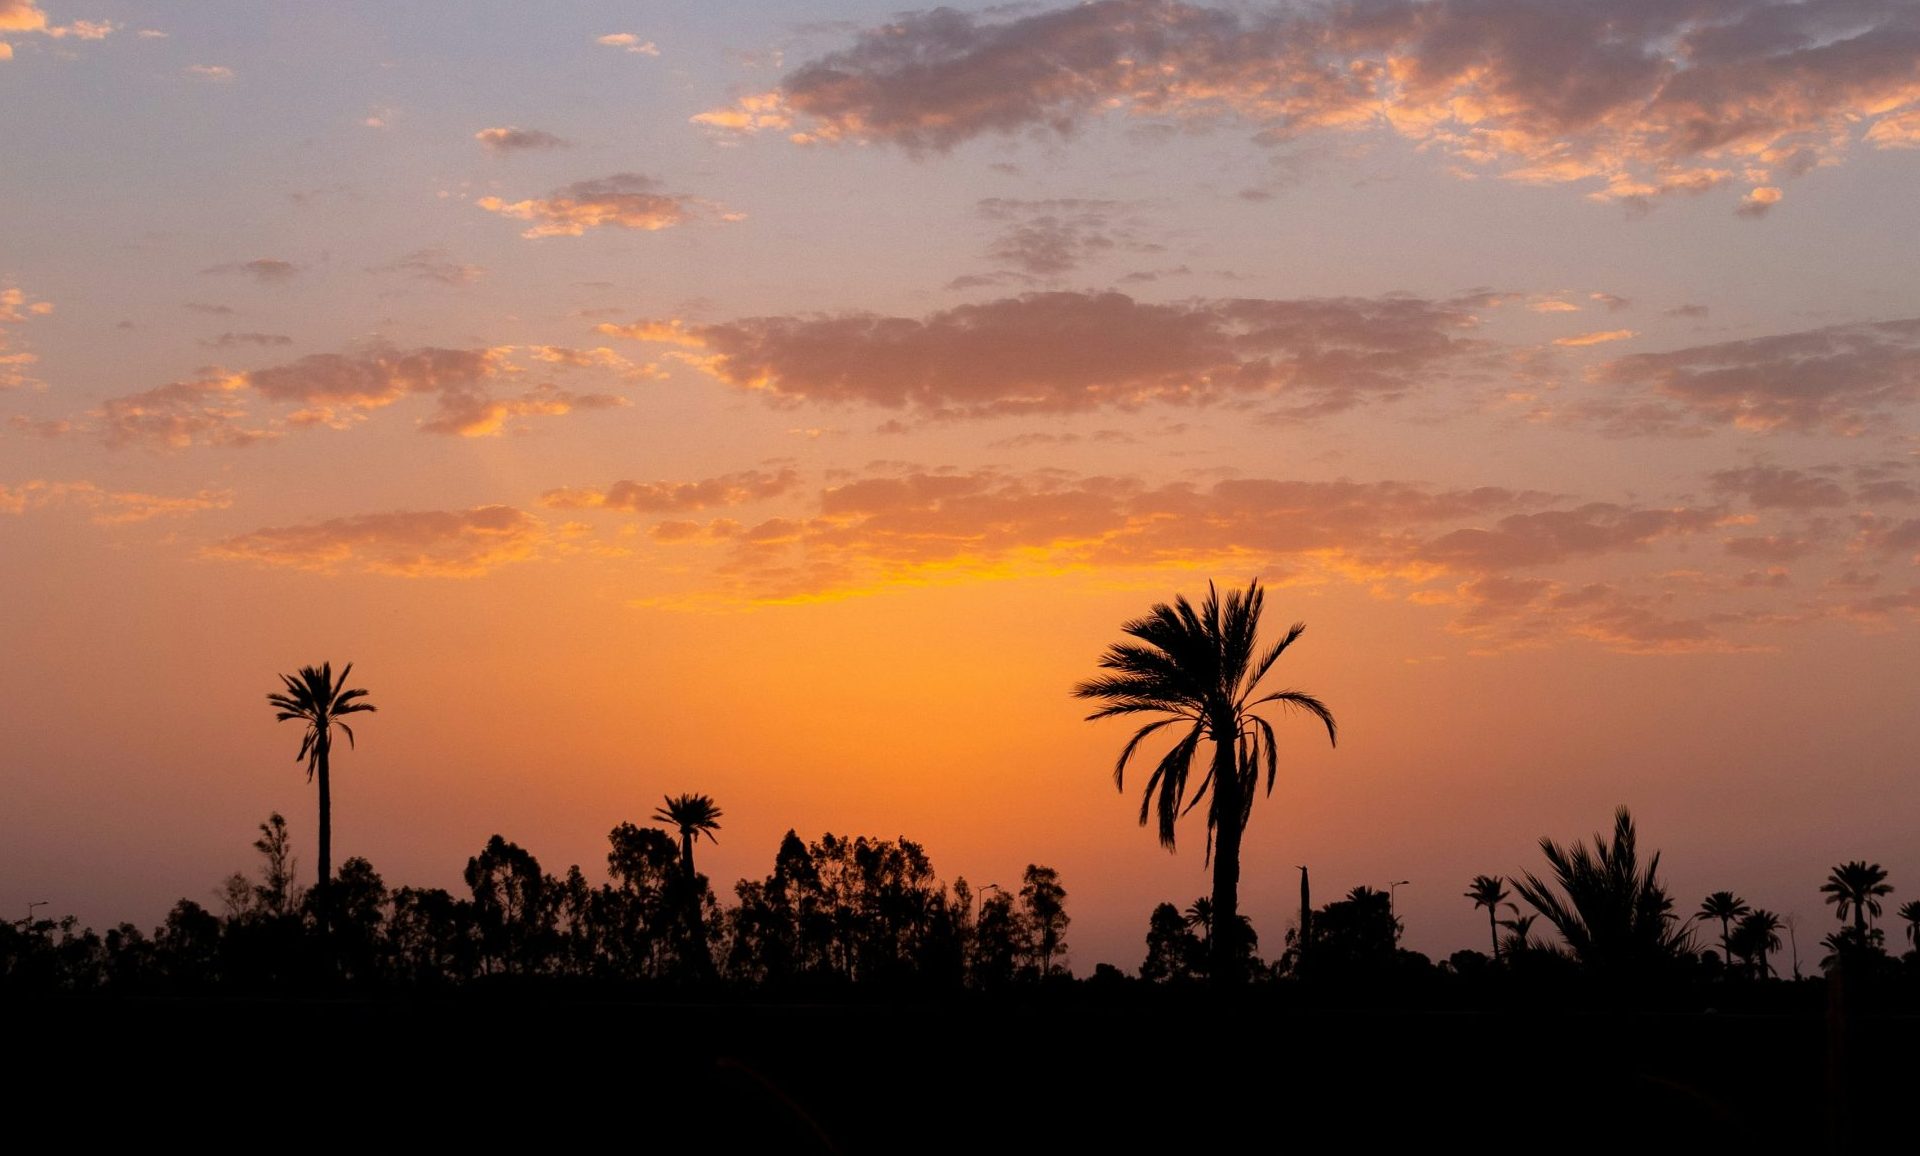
1614 914
1519 933
1757 935
1199 917
1726 907
1489 891
1910 911
1857 887
695 815
1201 668
315 697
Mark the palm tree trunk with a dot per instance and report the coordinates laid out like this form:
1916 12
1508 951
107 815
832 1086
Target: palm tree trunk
1726 947
326 833
1493 931
686 852
1224 941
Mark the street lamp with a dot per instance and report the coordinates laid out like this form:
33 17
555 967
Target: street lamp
1392 889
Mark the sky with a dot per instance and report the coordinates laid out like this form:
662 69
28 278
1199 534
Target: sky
790 402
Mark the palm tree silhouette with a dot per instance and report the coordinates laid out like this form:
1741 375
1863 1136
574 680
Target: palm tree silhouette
1520 932
695 815
1757 934
1910 911
1612 913
1200 668
1857 887
1489 891
1199 917
315 697
1726 907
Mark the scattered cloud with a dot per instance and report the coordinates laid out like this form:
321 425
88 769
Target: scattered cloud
238 340
630 42
432 264
16 309
1613 303
218 73
623 200
107 507
407 544
1758 202
1634 100
1841 378
265 270
1597 338
519 140
26 17
1068 351
724 491
1774 487
337 390
1697 312
1047 238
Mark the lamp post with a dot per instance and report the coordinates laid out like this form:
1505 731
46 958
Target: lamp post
1392 897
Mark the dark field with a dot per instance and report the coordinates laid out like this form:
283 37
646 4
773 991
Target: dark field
491 1071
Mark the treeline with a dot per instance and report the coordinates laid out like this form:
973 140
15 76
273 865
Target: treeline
834 912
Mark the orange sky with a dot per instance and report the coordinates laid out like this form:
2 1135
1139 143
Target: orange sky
643 413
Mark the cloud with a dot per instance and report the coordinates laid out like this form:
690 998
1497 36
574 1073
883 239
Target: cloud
1772 487
235 340
1596 338
1069 351
432 264
1841 378
1047 238
512 140
1636 100
337 390
1612 302
629 41
22 17
218 73
1758 202
1693 311
1554 536
724 491
417 544
17 309
107 507
203 307
623 200
265 270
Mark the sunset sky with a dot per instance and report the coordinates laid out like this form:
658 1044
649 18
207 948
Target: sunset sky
789 401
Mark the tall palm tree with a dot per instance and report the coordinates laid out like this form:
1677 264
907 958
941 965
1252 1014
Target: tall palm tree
695 815
1726 907
1910 911
1489 891
1201 669
1613 914
315 697
1857 886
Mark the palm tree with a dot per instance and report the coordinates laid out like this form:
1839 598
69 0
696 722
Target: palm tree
315 697
1910 911
1613 914
1199 917
695 815
1758 934
1726 907
1489 891
1519 933
1200 668
1857 886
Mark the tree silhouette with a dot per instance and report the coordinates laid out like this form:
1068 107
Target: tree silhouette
1489 891
1200 668
1043 915
1614 915
1757 934
1726 907
1198 918
1910 911
695 815
1519 933
315 697
1174 952
1857 887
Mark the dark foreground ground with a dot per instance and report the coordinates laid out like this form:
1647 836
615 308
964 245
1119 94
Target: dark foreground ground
546 1074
